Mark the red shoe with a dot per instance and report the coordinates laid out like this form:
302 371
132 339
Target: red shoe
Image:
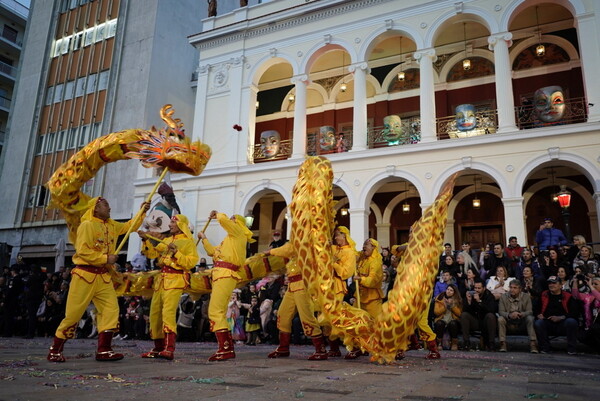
225 350
168 352
55 354
159 345
433 350
334 349
283 350
414 343
105 351
320 350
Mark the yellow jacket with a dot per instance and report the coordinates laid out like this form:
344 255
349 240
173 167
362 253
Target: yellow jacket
184 259
231 250
293 270
344 266
371 272
96 239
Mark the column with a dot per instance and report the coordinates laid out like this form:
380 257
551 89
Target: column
383 234
359 223
590 59
425 58
249 96
299 141
514 221
200 109
359 120
595 222
499 44
449 233
238 111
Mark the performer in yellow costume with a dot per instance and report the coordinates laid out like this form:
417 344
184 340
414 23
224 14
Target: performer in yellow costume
177 255
296 299
344 251
425 331
368 278
228 259
91 282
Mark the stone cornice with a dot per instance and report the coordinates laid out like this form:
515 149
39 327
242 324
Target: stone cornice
270 23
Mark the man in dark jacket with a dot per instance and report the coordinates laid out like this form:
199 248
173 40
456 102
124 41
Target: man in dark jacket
558 316
479 313
498 259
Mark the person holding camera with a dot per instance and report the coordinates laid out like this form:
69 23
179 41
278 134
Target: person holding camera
558 316
515 314
479 313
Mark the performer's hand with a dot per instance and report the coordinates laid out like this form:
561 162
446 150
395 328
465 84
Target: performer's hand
142 234
213 214
357 278
145 206
201 235
112 259
172 248
267 252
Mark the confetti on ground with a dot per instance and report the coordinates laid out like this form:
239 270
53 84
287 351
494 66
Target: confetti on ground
540 396
202 380
9 378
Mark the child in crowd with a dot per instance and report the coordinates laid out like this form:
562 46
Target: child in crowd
253 322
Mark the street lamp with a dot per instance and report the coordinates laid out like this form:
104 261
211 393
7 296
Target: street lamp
564 200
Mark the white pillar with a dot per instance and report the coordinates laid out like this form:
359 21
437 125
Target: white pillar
200 108
299 140
514 221
238 110
359 120
249 96
449 233
499 44
595 227
359 223
425 58
383 234
587 30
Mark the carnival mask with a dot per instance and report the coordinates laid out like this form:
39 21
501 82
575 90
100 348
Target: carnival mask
549 103
269 143
392 128
465 117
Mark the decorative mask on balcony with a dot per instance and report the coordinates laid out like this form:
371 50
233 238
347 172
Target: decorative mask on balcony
549 103
392 128
465 117
327 138
269 143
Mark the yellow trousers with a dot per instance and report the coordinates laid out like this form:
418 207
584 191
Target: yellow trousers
301 302
163 310
425 331
219 298
81 293
373 307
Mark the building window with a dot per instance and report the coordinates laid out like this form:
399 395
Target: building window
60 140
41 198
39 144
83 135
88 37
69 90
78 40
10 34
57 47
49 142
49 95
91 83
100 30
58 93
95 131
72 138
103 80
111 29
80 87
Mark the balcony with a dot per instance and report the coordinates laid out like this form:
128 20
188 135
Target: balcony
8 73
576 111
486 122
284 151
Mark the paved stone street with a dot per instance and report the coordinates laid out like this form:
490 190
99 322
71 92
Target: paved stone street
26 375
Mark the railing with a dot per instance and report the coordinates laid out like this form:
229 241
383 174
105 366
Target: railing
5 103
8 69
575 112
17 7
284 152
379 137
318 145
487 122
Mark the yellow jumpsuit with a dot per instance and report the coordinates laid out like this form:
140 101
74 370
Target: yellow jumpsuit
344 267
228 258
169 285
370 271
91 280
295 298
